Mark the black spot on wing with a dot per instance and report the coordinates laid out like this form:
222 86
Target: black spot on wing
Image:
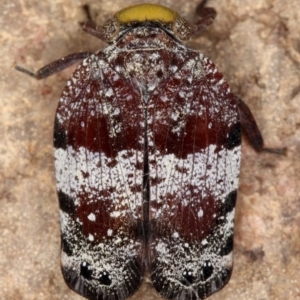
101 286
66 203
188 277
234 137
65 246
104 278
192 285
86 270
60 137
207 270
227 247
229 203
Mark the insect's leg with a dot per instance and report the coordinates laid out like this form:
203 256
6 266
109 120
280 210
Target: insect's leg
92 29
205 16
56 66
251 130
87 11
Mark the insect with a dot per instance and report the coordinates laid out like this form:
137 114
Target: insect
147 144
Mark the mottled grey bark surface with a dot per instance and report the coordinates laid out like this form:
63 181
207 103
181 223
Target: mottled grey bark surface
257 47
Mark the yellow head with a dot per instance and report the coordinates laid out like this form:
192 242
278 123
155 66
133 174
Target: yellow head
146 12
141 13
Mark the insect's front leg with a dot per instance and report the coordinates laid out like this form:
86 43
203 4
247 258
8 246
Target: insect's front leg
205 17
55 66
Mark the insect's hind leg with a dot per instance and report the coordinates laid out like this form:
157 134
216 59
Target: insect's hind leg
251 130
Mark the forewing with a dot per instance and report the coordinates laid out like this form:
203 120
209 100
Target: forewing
99 170
194 157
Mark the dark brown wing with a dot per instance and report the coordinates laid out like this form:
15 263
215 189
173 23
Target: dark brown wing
99 170
194 158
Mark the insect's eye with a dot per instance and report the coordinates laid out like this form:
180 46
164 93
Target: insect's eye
182 28
111 29
85 270
206 270
189 277
104 278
